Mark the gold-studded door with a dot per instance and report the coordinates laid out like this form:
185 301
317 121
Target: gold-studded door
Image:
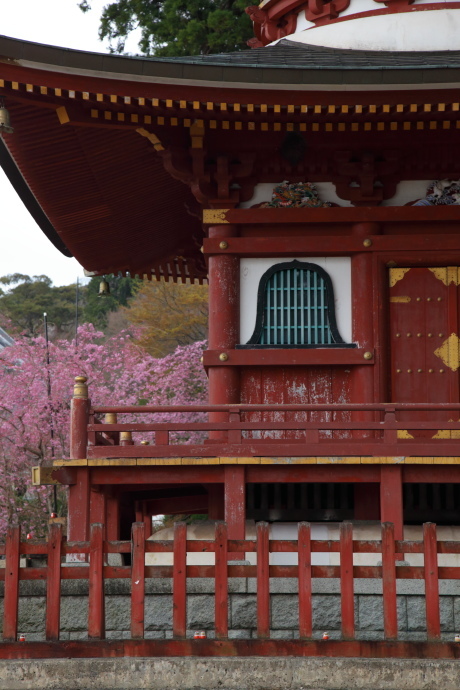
424 332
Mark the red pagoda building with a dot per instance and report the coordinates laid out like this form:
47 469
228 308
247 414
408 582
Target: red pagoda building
312 181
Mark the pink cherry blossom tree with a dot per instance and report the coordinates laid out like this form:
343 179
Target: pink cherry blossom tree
35 405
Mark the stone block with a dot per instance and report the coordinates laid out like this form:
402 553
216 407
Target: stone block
117 587
416 614
200 611
74 614
154 635
78 636
281 634
31 614
446 612
239 634
158 612
326 612
456 606
200 585
369 635
158 585
243 611
31 588
117 613
370 612
284 611
278 585
73 588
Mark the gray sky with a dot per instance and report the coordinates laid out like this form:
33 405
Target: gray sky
24 248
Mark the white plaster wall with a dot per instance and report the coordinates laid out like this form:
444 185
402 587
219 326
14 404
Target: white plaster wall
426 30
407 190
322 531
252 270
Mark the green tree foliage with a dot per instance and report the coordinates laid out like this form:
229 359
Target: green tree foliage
176 27
97 308
169 315
26 298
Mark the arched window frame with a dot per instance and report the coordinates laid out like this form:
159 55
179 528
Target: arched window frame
330 302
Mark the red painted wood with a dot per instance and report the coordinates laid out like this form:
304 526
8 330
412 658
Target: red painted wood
390 616
96 609
78 520
308 245
347 603
316 407
11 596
113 516
235 504
97 507
305 588
223 278
391 499
430 554
263 581
180 580
365 214
221 582
79 409
81 649
138 580
292 357
229 648
53 583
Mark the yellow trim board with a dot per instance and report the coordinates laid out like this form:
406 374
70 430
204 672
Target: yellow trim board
314 460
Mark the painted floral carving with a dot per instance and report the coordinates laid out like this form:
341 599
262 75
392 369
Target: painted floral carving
295 195
441 193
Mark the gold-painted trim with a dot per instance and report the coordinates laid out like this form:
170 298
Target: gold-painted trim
262 460
215 216
43 476
449 352
403 299
62 114
157 145
403 433
447 274
397 274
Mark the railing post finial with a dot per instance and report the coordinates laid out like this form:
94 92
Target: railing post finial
80 387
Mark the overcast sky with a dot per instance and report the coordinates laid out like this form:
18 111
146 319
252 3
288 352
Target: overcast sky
24 248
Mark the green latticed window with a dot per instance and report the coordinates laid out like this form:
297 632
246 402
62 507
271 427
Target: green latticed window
296 308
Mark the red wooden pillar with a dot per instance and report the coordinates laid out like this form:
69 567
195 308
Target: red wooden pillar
362 382
112 509
215 502
78 519
224 314
362 387
97 507
235 504
391 498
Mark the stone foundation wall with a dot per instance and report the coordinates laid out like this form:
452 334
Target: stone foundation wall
242 608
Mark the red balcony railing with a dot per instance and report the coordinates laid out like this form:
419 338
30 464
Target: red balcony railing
57 550
275 430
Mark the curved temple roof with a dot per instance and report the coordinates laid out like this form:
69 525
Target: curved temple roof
91 138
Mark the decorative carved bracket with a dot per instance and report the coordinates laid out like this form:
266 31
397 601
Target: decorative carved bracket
321 12
214 181
366 179
395 5
266 29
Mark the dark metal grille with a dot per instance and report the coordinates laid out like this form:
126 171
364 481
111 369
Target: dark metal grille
296 310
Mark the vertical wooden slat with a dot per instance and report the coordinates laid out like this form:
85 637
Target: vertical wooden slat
10 607
235 504
263 581
96 613
346 580
180 580
221 585
53 582
138 580
390 615
430 552
305 602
